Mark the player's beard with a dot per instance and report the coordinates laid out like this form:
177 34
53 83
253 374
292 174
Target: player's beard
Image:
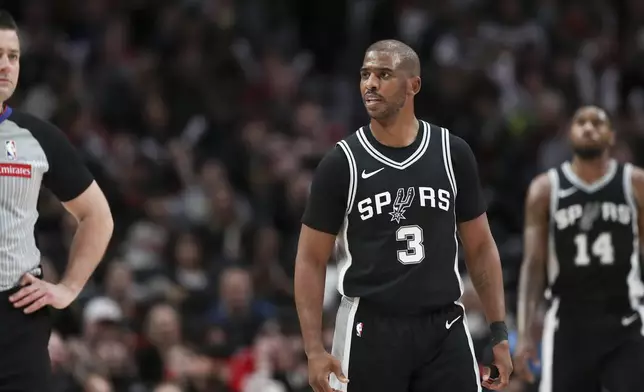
392 108
589 153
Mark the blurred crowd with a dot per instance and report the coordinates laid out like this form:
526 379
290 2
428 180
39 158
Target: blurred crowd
203 121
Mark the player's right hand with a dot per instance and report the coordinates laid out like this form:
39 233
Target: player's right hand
525 354
503 364
321 365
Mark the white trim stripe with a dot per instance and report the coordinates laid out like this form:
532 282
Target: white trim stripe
470 342
413 158
456 270
378 155
452 181
343 254
634 278
342 336
548 346
553 261
447 159
353 175
448 156
566 168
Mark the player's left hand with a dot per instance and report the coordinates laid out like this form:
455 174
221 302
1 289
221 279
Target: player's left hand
35 294
503 362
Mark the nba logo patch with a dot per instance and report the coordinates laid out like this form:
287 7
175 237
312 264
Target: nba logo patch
10 148
359 329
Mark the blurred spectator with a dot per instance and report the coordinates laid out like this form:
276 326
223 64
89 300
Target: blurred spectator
237 317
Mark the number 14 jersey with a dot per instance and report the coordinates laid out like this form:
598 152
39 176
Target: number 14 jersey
594 262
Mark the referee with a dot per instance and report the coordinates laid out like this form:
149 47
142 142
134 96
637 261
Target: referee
35 153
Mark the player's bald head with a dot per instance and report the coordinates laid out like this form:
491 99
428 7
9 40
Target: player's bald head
407 59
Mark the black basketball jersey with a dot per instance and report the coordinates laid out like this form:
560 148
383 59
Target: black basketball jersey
398 245
593 265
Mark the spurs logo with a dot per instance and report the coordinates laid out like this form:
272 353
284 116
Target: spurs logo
401 203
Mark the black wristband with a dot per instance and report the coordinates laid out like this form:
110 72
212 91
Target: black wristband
499 332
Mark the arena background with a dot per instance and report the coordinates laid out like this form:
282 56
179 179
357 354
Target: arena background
203 121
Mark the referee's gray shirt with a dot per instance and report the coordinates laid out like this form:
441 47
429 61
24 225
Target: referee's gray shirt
34 153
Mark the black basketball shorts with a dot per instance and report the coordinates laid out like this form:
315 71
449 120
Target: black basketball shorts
383 352
606 353
24 354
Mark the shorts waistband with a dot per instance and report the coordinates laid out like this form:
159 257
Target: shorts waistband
385 310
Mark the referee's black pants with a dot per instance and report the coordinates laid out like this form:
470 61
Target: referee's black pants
24 354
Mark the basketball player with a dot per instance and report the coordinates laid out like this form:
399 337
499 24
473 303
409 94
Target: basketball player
582 227
393 197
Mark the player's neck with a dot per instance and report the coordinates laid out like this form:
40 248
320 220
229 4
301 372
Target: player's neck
591 170
400 131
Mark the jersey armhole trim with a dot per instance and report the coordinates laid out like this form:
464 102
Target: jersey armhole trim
628 186
634 278
552 263
447 160
554 190
353 175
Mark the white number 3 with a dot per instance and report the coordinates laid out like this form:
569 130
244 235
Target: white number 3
413 236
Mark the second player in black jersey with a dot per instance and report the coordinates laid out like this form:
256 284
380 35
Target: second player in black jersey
594 242
583 251
392 200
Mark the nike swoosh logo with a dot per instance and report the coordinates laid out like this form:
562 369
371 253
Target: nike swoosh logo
626 321
366 175
448 325
563 193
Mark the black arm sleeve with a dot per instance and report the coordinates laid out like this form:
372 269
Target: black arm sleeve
67 176
327 201
470 202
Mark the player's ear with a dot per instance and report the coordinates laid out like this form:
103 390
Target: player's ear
414 85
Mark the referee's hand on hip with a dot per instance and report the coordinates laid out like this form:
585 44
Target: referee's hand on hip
35 294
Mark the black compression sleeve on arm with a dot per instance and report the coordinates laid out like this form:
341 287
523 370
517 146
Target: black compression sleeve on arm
327 201
470 201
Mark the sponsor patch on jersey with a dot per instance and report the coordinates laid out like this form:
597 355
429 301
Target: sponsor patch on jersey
22 170
10 148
